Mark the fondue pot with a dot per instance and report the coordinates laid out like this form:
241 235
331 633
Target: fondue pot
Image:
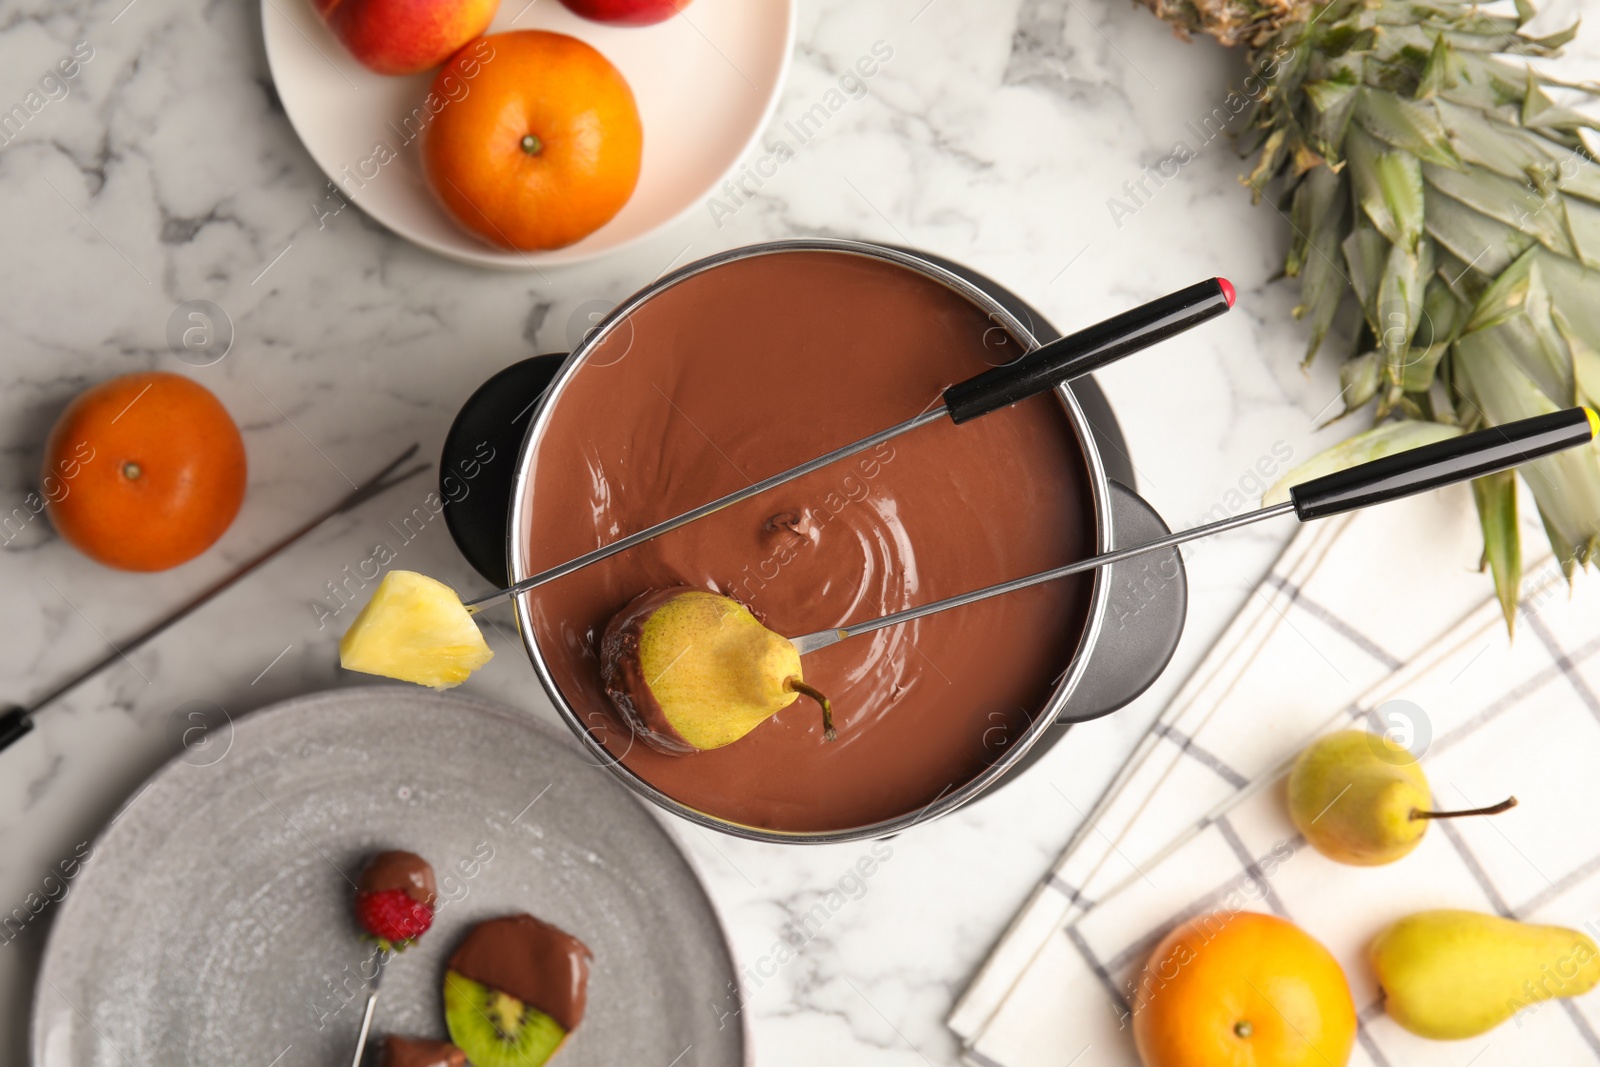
501 451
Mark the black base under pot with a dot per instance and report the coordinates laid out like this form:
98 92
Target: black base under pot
1148 596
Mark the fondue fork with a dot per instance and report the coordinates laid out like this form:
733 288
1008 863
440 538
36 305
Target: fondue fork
384 955
1034 372
1403 474
16 721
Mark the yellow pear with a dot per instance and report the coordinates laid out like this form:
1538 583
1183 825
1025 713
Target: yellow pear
415 629
692 670
1360 799
1453 974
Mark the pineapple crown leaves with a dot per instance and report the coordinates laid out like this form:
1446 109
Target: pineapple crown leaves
1445 204
1415 93
1233 22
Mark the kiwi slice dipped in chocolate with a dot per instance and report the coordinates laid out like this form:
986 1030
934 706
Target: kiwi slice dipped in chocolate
496 1029
514 991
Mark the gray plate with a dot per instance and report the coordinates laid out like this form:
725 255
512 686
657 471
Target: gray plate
212 924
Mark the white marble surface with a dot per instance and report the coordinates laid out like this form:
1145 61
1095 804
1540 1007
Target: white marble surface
995 136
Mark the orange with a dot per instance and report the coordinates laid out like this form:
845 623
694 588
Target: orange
536 142
1240 989
144 471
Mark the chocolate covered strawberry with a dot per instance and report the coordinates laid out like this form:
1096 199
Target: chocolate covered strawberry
395 898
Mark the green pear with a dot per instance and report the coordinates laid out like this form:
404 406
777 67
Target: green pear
1361 799
691 670
1452 974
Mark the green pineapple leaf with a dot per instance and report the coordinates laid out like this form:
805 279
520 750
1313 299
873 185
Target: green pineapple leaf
1551 42
1359 379
1507 201
1485 245
1583 227
1365 253
1585 363
1400 300
1412 125
1385 439
1443 70
1496 498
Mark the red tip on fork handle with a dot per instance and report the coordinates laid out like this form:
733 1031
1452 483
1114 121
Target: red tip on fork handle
1227 291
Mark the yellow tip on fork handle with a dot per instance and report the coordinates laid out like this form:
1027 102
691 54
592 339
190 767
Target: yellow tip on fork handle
1594 422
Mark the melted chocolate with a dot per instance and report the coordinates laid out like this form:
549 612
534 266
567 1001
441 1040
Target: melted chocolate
539 964
400 870
752 367
623 674
419 1052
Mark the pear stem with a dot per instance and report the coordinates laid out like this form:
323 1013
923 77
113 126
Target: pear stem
1493 809
797 686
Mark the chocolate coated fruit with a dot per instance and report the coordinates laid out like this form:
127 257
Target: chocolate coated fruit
692 670
496 1029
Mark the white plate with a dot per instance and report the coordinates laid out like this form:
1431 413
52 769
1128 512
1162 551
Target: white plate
706 82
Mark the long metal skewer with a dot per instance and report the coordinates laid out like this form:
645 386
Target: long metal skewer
738 495
824 638
372 1004
1417 470
15 722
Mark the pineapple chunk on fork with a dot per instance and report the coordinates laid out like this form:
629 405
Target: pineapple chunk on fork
414 629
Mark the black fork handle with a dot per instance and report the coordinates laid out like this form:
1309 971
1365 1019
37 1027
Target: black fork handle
1457 459
1088 350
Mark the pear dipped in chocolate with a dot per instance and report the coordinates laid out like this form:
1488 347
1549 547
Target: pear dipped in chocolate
691 670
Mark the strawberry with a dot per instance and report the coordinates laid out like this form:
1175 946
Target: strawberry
392 917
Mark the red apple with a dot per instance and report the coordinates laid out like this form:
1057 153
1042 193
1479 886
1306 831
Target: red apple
627 12
406 36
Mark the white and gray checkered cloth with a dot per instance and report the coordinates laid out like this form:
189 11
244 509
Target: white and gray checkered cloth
1381 619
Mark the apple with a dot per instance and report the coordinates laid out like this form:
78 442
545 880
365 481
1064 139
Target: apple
627 12
406 36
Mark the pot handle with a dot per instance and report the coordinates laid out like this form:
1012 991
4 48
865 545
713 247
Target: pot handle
478 465
1143 618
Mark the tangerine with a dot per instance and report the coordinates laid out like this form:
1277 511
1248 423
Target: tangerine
537 142
1241 989
151 471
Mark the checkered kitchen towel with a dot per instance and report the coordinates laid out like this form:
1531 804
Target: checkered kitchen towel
1360 613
